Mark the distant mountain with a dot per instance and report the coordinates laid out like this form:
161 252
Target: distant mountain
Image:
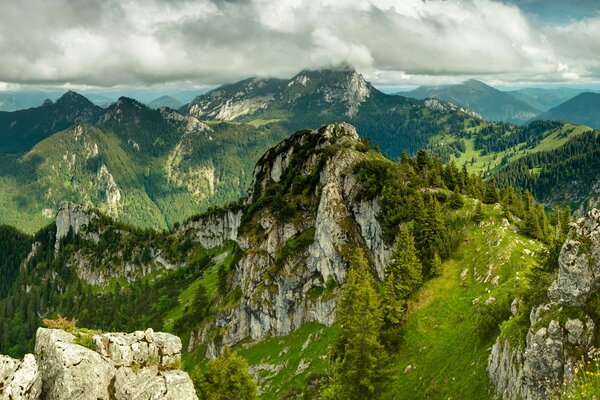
583 109
316 97
21 130
8 102
165 101
228 102
492 104
545 99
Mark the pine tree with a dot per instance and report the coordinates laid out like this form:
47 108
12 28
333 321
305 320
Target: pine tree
491 193
361 361
479 215
405 265
201 303
456 201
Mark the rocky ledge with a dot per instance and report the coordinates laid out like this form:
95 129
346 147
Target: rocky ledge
560 332
117 366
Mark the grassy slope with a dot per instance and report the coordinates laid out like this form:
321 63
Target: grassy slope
447 356
553 141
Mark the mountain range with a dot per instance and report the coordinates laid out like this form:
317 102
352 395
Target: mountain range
490 103
154 168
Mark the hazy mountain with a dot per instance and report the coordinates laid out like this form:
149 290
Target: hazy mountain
165 101
545 99
583 109
492 104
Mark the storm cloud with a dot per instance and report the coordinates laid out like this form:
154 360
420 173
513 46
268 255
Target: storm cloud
105 43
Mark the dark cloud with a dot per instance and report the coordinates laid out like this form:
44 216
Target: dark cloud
145 42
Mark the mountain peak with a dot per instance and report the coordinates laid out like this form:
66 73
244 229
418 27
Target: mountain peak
73 98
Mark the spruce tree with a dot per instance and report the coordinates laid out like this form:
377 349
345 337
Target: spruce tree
491 193
361 361
405 265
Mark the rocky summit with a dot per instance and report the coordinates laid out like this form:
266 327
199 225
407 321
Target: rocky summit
111 366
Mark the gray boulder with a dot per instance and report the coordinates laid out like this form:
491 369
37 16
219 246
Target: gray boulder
20 380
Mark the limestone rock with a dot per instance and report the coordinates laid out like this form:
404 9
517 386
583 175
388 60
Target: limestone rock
70 371
20 380
214 229
135 366
280 294
547 360
75 218
579 262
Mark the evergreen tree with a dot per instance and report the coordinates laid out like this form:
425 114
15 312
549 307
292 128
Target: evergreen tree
405 265
361 361
436 265
491 193
201 303
456 201
226 378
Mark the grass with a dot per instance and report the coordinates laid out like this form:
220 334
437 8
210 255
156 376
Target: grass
446 355
223 256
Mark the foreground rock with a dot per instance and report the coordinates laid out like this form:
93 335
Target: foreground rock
20 380
118 366
556 339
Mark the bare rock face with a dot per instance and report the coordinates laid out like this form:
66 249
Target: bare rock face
540 368
140 365
281 289
75 218
214 229
20 380
579 261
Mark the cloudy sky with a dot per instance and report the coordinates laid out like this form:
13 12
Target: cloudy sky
394 43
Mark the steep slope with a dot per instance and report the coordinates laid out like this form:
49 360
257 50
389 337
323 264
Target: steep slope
146 167
553 332
21 130
232 101
316 97
490 103
263 275
583 109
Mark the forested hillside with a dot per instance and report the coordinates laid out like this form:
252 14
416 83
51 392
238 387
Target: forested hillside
327 227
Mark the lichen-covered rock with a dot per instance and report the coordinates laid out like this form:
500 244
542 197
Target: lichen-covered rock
20 380
70 371
140 348
505 369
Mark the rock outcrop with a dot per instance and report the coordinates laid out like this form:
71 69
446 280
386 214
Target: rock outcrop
118 366
75 218
20 380
291 268
213 229
558 337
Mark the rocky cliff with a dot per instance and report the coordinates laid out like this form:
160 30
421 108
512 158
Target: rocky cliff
302 220
562 331
139 365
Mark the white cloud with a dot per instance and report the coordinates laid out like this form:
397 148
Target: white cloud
133 42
